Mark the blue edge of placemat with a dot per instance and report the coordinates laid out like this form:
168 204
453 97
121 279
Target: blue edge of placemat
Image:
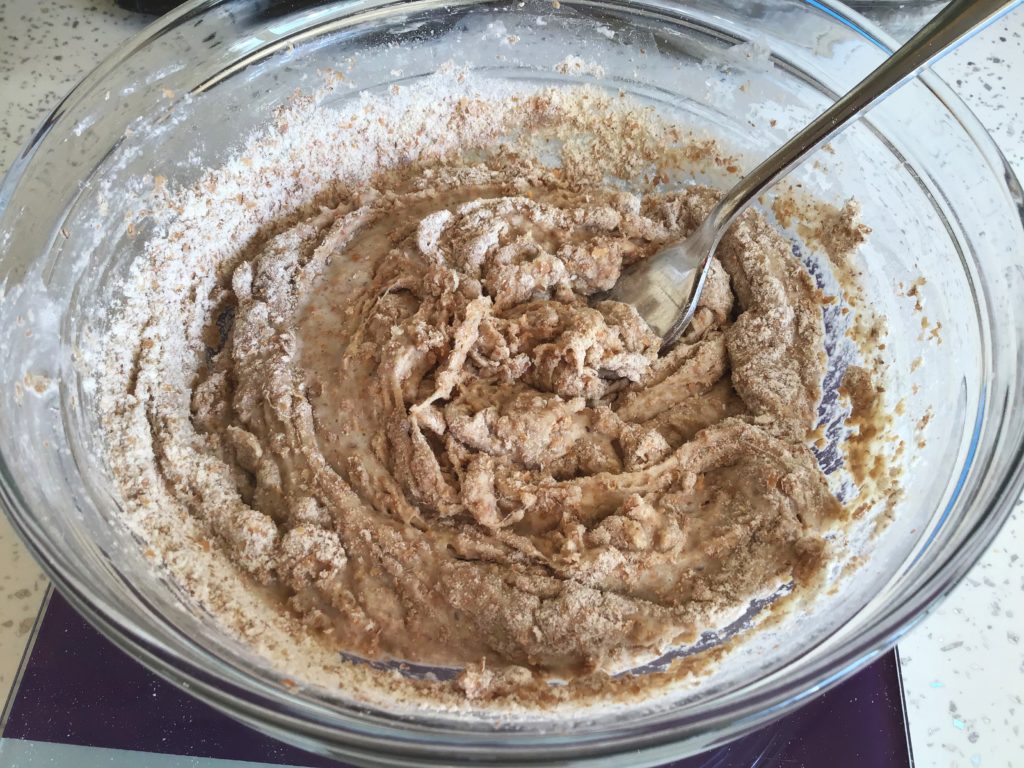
80 701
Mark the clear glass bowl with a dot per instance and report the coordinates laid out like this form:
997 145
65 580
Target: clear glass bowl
899 18
940 197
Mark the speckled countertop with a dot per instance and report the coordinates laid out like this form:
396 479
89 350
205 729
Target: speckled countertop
963 665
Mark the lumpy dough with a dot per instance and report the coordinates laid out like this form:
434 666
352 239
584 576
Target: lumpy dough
433 442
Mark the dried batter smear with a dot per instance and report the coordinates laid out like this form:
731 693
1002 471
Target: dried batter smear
364 365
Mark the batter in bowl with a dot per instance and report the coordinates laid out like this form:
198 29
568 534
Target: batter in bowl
406 420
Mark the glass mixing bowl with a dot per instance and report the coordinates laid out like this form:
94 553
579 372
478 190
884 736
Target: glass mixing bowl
180 97
899 18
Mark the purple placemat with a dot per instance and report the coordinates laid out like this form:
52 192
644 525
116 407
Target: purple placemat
77 688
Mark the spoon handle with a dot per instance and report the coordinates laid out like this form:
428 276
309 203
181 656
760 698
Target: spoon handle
954 24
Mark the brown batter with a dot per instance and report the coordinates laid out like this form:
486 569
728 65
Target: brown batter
408 419
465 458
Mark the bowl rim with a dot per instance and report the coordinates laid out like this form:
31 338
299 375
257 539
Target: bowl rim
244 696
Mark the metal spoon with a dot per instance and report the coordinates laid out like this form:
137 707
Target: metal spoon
666 287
